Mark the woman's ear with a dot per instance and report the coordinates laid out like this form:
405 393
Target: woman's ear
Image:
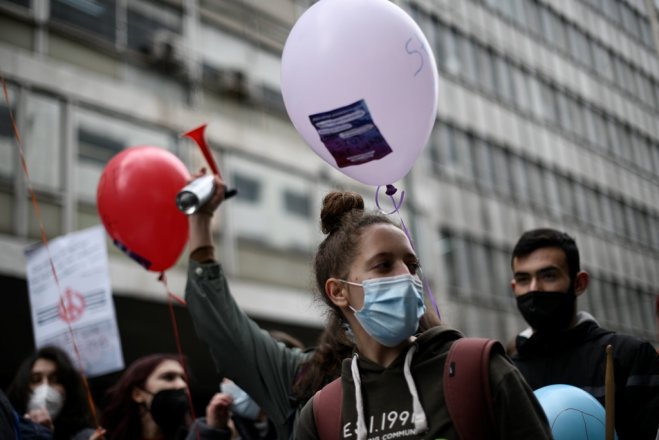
336 292
138 395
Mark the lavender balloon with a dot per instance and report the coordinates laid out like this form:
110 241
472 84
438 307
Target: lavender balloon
359 82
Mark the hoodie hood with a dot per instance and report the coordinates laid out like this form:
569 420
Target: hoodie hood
362 373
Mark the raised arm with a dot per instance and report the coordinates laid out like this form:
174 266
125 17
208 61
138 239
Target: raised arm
242 351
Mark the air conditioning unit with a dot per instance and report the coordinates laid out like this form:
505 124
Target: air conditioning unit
230 82
166 51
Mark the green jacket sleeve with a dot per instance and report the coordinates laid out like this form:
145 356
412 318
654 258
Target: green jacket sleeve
243 352
517 413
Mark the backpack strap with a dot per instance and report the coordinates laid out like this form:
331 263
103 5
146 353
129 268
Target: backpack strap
327 405
467 388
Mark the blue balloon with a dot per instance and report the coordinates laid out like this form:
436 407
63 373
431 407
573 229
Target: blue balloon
573 413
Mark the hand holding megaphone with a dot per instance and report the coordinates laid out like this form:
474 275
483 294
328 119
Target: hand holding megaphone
198 192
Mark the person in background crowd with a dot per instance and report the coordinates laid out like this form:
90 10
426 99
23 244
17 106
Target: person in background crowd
14 427
367 273
49 391
279 379
151 401
566 347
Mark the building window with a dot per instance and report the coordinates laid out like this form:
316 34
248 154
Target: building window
470 58
486 70
521 180
101 136
654 147
654 230
447 151
248 188
97 148
150 24
43 140
613 133
581 202
553 193
612 10
463 149
546 19
502 161
536 98
297 204
566 196
504 80
452 48
576 110
631 21
549 94
483 163
447 250
564 112
7 143
536 185
594 207
607 212
532 8
589 121
95 16
560 31
521 89
618 210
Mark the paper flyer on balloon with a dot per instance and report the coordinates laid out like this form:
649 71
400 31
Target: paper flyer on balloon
350 134
81 264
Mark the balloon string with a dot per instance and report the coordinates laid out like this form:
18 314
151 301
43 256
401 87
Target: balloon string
177 338
391 191
44 239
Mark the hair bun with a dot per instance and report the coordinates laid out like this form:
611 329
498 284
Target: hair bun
336 206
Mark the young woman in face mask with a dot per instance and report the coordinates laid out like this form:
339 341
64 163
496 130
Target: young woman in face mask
49 391
366 272
279 378
150 402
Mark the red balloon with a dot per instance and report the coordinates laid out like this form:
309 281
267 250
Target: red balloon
136 200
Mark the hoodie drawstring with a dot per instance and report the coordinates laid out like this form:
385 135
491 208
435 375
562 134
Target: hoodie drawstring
418 415
359 402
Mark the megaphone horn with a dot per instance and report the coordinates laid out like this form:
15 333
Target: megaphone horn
198 135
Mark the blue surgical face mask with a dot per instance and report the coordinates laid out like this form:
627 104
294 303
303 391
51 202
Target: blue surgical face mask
392 308
243 405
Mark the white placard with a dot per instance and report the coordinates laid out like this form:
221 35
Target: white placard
82 299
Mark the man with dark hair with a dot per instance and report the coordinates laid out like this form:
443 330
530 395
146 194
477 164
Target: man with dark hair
566 347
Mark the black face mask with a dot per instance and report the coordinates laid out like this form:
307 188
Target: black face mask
168 410
548 311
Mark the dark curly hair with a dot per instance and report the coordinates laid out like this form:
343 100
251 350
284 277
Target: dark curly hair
75 414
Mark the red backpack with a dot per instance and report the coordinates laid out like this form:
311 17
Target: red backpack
466 390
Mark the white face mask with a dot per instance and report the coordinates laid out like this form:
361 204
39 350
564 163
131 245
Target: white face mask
45 396
243 405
